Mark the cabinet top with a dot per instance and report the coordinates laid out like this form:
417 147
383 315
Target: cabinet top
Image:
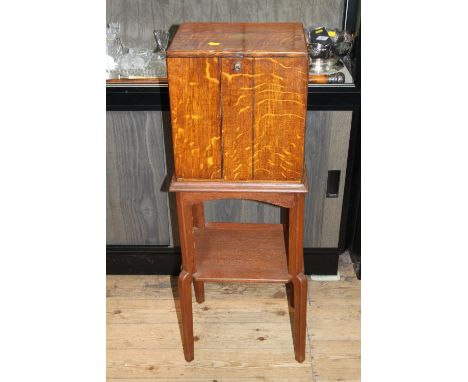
238 39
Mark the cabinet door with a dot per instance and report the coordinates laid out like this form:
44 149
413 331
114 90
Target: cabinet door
137 209
194 93
280 94
327 142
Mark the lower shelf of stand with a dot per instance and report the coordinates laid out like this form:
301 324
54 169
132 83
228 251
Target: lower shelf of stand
241 252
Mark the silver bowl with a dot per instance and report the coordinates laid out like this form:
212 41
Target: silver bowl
344 43
318 50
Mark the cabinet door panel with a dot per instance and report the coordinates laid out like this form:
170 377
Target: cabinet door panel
327 141
280 93
194 84
137 210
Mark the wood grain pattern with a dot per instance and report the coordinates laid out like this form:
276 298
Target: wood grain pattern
241 211
322 217
147 311
276 87
245 39
241 252
278 199
300 312
236 89
242 332
327 142
185 284
139 18
137 209
279 118
219 252
261 186
194 94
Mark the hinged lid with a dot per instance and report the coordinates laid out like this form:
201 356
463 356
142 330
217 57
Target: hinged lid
238 40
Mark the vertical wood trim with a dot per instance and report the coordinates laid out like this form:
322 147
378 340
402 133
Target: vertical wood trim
198 215
184 214
220 103
253 116
236 120
300 232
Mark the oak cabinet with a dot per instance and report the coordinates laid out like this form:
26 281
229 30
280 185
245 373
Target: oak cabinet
238 101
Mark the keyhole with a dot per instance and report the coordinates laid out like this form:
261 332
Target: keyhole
237 67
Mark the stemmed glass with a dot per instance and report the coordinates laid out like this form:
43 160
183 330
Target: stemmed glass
162 37
159 57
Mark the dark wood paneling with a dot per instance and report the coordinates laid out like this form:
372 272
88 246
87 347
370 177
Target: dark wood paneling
137 210
327 142
139 18
241 211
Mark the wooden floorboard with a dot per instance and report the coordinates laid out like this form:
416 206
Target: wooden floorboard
242 331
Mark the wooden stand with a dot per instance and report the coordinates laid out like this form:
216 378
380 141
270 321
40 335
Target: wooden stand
235 252
238 95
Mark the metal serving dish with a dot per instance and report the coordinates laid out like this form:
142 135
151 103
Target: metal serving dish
318 50
343 43
325 65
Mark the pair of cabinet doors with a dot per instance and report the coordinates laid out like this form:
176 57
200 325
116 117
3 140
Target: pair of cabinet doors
238 118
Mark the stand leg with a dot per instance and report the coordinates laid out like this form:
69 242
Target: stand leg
199 287
300 310
290 287
198 216
185 291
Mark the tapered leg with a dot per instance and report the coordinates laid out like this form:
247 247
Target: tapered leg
199 287
291 294
300 310
294 222
185 292
199 222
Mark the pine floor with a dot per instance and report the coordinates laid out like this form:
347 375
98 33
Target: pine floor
242 331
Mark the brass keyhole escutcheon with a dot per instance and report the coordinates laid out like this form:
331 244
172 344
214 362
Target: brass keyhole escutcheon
237 66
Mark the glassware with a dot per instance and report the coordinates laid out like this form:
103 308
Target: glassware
158 62
135 62
114 47
344 43
157 66
162 37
